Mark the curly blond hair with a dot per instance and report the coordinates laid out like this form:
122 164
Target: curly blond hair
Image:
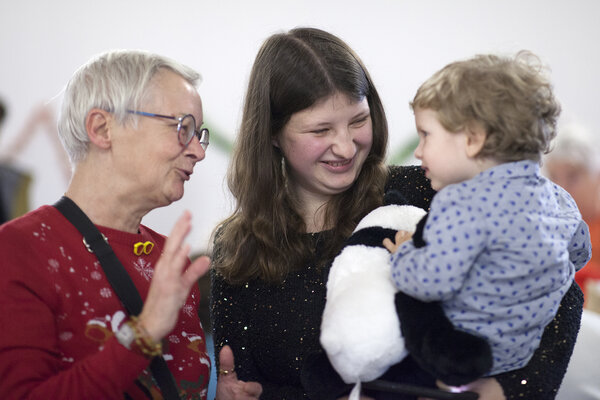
510 97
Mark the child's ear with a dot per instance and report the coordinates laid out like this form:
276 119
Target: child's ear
476 136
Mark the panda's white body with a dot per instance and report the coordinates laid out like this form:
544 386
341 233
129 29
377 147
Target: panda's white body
360 331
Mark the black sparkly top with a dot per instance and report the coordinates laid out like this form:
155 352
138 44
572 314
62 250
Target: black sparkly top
271 328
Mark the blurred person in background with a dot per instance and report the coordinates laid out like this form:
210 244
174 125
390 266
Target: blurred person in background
574 164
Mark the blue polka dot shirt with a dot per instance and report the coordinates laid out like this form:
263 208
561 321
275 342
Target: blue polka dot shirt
502 250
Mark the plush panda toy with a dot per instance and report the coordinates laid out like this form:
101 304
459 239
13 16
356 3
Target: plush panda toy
368 326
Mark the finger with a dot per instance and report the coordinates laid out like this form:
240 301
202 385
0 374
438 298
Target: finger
178 234
198 268
172 263
226 363
181 257
442 385
402 236
252 389
388 244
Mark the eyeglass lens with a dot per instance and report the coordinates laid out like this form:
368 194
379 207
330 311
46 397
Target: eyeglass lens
187 126
187 130
204 138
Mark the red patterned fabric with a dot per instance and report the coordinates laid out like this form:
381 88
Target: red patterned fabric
58 316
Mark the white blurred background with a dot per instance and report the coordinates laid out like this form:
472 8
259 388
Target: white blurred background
401 42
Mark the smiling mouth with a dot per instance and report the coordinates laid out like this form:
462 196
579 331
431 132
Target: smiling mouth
338 163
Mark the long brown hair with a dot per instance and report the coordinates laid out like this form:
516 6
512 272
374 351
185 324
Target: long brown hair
264 237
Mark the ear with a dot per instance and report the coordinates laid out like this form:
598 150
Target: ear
475 137
98 126
275 142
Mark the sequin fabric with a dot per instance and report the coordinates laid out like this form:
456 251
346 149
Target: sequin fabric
541 378
273 328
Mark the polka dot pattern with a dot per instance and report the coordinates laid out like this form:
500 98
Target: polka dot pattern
502 250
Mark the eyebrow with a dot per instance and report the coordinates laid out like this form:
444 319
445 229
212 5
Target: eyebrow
364 113
360 114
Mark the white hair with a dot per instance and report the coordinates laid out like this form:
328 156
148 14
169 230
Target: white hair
574 143
114 81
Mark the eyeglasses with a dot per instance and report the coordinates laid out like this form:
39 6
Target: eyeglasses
186 128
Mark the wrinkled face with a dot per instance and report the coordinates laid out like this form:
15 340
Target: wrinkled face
149 159
443 154
326 145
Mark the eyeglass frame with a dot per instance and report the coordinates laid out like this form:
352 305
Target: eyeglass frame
203 135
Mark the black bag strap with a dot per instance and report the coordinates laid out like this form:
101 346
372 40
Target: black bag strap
120 281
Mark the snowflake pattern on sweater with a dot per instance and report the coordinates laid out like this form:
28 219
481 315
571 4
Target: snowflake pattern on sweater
61 314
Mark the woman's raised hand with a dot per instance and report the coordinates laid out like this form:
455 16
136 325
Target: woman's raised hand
172 281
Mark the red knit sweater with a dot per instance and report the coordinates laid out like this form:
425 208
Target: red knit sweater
58 315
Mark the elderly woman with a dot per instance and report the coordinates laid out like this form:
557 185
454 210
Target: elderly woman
131 124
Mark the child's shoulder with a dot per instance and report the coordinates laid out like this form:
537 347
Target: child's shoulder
458 191
469 195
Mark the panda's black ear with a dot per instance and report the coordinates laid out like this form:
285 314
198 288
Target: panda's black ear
394 197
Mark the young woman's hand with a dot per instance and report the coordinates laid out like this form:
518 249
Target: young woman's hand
229 387
486 388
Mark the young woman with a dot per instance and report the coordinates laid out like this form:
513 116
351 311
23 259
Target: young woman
308 165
